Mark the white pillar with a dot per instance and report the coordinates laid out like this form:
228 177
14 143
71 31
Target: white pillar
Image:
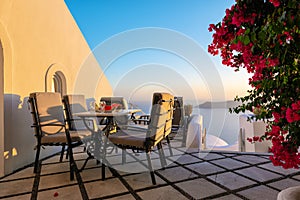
241 141
204 139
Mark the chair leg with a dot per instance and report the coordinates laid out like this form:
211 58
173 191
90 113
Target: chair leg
62 153
67 154
162 157
169 144
37 155
150 167
90 156
123 156
71 162
104 158
184 133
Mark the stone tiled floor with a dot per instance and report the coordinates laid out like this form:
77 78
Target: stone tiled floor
189 175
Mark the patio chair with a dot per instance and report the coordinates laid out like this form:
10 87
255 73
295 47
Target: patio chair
176 116
146 139
76 103
179 122
50 127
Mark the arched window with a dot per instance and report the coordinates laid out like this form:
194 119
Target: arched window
59 83
55 80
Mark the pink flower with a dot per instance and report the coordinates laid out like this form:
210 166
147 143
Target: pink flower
276 117
293 113
296 106
211 27
275 3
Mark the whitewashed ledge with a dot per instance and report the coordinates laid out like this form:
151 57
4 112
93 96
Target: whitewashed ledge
249 129
197 138
292 193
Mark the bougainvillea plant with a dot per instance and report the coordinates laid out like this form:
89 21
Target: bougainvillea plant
263 36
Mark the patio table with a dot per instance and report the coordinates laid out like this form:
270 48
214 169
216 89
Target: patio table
109 115
110 127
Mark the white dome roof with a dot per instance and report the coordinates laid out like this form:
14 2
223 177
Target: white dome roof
214 141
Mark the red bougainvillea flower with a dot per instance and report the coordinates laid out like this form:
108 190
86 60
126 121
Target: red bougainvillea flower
276 3
263 36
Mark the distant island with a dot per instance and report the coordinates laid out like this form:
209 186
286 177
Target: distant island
218 104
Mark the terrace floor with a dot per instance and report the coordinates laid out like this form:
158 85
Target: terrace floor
189 175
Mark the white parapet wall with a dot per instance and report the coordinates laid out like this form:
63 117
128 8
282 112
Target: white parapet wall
194 132
249 129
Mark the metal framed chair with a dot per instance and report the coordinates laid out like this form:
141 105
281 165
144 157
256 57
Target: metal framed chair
179 122
147 139
50 126
157 97
76 103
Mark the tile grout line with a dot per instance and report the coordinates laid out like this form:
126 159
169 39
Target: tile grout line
166 180
125 183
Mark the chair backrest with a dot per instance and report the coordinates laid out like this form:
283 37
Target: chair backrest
161 117
156 127
115 100
74 103
178 114
167 101
46 108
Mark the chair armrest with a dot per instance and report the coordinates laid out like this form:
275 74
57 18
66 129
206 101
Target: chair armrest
50 124
132 127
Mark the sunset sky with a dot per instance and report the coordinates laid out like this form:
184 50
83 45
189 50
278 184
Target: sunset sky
158 45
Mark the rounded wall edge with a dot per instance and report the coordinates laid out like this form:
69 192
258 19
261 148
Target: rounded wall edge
4 50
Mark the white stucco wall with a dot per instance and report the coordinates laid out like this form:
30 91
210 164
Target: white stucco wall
34 36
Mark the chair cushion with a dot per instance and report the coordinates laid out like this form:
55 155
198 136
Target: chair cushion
60 137
168 106
50 111
134 138
77 102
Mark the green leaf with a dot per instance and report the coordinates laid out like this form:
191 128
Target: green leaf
246 40
247 31
253 36
262 35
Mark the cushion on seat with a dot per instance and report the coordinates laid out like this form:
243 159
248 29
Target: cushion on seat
50 111
134 138
168 106
75 103
61 137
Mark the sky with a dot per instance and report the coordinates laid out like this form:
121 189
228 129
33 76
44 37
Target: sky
159 45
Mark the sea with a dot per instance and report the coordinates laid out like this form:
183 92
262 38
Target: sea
217 121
